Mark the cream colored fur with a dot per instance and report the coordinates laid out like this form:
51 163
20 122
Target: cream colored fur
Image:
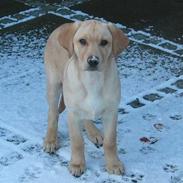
87 95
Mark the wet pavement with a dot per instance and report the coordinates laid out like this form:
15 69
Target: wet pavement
39 28
8 7
162 18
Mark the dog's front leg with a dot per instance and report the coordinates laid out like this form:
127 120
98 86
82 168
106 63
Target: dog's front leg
77 163
113 164
53 94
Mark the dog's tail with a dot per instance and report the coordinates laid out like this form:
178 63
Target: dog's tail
61 107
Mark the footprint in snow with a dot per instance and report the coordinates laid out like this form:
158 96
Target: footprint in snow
149 117
110 181
147 150
10 137
133 178
30 174
122 151
169 168
176 117
149 140
177 178
16 139
159 126
4 132
10 159
32 148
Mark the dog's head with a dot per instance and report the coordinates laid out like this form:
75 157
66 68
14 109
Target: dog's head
92 42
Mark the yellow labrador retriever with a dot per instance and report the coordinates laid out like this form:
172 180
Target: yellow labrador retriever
82 75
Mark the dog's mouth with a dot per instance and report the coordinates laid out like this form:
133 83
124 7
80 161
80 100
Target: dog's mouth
92 69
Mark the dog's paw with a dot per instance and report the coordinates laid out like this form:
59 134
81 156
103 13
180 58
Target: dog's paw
76 169
115 168
96 138
50 146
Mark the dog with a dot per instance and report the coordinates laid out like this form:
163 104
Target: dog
82 76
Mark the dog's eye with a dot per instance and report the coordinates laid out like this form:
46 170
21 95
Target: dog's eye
103 42
83 42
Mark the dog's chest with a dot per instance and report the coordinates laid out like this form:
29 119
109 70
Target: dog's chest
88 100
93 102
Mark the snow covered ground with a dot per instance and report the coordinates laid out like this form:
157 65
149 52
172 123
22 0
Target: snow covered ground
149 137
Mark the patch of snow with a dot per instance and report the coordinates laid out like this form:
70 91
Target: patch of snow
23 115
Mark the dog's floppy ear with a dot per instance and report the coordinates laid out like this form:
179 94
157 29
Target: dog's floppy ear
66 34
119 40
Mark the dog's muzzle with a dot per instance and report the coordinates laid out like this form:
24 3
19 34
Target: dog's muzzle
93 62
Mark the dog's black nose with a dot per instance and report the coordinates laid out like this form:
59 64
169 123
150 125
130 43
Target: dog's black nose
93 61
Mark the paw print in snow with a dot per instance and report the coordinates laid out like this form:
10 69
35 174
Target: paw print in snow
150 140
109 180
149 117
10 159
147 150
122 151
176 117
16 139
122 111
3 132
32 148
159 126
133 178
96 154
30 174
169 168
177 178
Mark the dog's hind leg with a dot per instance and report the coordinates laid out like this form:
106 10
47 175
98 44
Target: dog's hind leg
93 133
53 93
